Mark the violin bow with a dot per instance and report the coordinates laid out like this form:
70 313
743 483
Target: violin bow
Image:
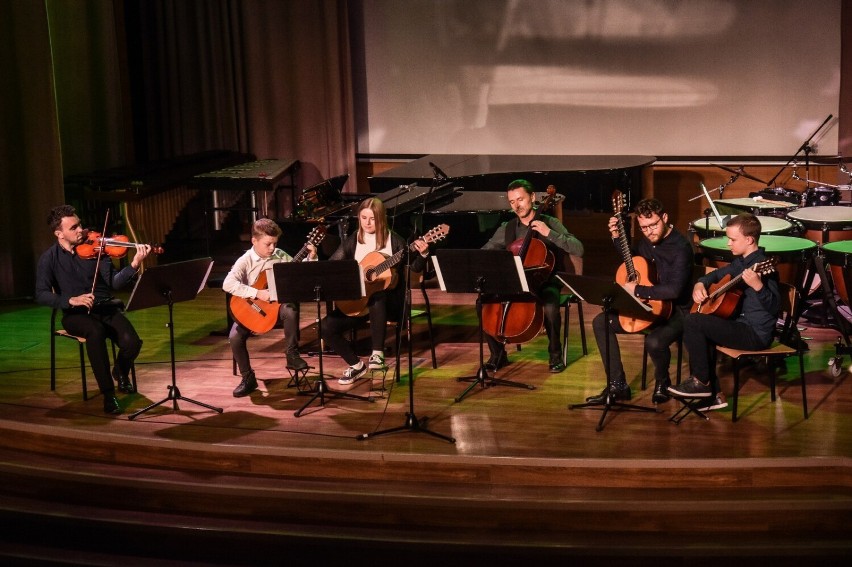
100 253
132 232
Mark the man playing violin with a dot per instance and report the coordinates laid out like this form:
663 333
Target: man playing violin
557 239
751 330
65 281
671 254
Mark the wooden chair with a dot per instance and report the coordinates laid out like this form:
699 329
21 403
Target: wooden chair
777 351
81 342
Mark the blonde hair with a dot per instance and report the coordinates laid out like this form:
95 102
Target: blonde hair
265 227
381 220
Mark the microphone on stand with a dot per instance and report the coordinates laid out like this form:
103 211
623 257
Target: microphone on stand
439 173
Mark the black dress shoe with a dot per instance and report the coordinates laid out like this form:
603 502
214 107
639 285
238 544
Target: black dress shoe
497 361
616 392
125 385
111 405
556 364
247 385
661 392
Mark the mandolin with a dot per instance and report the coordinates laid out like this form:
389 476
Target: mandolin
257 315
635 269
378 275
722 299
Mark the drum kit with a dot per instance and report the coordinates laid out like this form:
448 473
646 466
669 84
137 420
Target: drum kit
803 230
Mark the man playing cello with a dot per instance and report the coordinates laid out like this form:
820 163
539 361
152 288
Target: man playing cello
557 239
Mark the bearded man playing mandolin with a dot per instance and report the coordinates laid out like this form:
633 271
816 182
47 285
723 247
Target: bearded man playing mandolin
557 240
751 330
668 252
247 284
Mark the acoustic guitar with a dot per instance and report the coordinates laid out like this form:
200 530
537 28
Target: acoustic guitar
257 315
378 275
723 299
636 269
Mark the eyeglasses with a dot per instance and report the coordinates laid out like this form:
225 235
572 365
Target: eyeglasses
651 227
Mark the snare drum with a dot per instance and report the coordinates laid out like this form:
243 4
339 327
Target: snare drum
824 224
793 255
839 257
821 196
707 228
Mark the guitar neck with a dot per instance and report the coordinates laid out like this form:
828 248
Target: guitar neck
624 249
301 254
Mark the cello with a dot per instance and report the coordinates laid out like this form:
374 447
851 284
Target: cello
520 320
635 269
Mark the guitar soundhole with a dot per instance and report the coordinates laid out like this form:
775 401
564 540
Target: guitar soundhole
370 275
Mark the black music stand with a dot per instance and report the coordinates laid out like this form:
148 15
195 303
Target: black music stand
332 280
612 297
169 284
492 272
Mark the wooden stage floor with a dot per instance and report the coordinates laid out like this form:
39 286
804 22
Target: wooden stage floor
525 478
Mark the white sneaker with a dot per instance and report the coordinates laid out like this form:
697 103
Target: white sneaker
377 362
353 373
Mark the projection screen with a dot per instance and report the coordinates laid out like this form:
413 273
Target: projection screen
645 77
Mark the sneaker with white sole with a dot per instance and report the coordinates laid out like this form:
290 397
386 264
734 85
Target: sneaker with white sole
692 388
377 362
353 373
717 402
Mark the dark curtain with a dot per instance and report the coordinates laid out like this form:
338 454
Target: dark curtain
95 84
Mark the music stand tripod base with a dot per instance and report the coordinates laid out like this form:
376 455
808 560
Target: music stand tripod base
612 297
169 284
491 272
332 280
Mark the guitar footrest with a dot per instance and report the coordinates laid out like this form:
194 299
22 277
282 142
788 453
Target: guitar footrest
299 380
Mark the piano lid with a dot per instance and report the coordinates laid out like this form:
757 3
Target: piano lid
586 181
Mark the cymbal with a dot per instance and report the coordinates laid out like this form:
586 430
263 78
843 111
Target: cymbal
740 172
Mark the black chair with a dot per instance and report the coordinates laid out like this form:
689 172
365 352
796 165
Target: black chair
81 341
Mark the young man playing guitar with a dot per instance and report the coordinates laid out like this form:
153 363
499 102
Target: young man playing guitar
373 235
670 253
242 282
751 330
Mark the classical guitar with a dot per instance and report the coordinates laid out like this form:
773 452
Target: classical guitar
724 297
379 276
257 315
635 269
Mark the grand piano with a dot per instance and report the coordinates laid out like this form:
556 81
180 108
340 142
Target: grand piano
472 197
586 182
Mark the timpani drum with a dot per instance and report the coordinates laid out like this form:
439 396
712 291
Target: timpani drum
824 224
754 205
793 255
838 255
709 227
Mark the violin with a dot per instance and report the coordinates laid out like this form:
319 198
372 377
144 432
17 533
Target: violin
115 246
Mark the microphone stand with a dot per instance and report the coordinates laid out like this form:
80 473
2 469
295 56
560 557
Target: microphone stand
805 147
412 423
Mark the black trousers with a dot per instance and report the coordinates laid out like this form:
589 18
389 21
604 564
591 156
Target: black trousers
657 342
96 327
705 331
289 319
336 324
